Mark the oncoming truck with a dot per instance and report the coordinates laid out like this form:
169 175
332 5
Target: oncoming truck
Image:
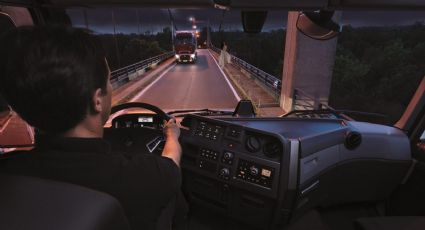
185 46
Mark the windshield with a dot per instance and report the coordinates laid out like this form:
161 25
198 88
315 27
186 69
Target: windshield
184 38
197 59
196 81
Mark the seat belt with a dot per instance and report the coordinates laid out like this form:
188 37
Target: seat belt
409 171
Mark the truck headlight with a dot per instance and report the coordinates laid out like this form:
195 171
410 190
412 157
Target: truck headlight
192 56
177 56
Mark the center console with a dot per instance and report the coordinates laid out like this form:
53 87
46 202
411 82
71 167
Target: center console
233 169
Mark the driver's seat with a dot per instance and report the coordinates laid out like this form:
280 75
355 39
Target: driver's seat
39 204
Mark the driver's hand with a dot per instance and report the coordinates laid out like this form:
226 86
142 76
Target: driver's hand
172 148
171 129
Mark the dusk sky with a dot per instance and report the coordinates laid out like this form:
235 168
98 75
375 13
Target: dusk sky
131 20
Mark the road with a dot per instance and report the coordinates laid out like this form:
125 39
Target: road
191 86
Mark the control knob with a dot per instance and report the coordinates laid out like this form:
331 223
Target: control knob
224 172
228 156
253 170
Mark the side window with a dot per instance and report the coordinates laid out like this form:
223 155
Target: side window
19 15
422 139
6 23
15 133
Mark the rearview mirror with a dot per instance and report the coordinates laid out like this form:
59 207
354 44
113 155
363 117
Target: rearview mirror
318 25
253 21
222 4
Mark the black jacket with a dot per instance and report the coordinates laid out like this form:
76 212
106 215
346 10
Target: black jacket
144 184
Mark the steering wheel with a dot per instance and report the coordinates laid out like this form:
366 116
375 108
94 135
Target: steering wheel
134 141
141 105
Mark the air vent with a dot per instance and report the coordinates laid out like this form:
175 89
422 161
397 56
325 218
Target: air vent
253 144
272 149
353 140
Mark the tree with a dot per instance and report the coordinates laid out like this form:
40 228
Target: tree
140 49
264 50
377 69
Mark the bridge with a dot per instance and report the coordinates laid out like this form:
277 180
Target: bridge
186 86
172 86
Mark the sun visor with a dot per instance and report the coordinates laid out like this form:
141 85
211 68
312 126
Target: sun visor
146 3
378 4
273 4
253 4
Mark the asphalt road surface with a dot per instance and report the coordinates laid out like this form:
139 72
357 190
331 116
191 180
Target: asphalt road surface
190 86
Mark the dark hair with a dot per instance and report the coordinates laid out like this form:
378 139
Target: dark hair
49 75
222 44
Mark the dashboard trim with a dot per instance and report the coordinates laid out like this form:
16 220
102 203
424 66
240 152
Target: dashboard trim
293 164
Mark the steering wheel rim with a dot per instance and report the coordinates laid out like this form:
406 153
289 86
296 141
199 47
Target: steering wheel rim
142 105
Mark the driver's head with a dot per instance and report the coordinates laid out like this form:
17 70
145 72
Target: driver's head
55 78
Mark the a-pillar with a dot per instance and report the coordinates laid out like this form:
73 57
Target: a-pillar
308 65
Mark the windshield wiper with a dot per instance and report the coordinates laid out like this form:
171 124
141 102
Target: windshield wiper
327 113
355 112
321 113
202 112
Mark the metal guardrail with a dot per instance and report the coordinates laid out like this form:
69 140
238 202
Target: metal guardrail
304 101
121 76
272 83
301 99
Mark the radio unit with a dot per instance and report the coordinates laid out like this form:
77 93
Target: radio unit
255 173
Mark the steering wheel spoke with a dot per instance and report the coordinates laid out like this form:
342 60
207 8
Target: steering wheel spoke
137 140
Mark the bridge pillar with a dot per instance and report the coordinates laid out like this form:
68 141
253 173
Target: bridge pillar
308 65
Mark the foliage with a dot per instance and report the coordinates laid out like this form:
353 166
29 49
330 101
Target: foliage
264 50
377 69
125 49
139 49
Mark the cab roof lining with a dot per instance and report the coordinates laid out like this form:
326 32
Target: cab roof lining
238 4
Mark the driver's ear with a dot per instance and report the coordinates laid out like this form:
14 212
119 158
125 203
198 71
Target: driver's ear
97 101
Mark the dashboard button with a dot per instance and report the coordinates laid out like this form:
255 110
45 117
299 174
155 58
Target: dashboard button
253 170
224 172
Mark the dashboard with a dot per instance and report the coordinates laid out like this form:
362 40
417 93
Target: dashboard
265 172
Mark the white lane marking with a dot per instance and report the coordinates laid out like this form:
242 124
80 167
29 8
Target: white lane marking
225 77
151 84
